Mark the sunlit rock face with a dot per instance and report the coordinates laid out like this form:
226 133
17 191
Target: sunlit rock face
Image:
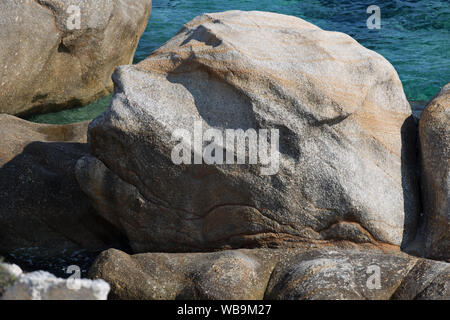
347 164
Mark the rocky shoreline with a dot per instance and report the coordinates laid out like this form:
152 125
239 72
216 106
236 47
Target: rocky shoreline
358 207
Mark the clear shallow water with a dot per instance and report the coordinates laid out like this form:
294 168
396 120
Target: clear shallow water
414 37
74 115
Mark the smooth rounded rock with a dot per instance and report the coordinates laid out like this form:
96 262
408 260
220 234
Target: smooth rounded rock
57 54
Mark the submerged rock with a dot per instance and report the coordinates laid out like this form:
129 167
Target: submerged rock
434 135
43 211
41 285
294 274
346 167
58 54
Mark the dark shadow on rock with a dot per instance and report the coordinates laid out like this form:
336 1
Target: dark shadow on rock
43 211
224 107
412 242
203 34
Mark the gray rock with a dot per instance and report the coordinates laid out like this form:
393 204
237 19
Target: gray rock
347 140
434 134
428 280
327 272
49 64
162 276
41 205
41 285
339 275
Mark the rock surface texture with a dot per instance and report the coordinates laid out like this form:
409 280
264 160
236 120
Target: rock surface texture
57 54
41 285
295 274
434 135
346 140
41 205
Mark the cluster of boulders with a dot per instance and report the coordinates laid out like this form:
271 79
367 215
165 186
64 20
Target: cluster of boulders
357 205
330 272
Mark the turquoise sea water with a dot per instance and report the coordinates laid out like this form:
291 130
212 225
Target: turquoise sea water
414 37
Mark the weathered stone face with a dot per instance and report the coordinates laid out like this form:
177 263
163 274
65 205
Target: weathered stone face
49 64
428 280
43 211
287 274
347 158
434 134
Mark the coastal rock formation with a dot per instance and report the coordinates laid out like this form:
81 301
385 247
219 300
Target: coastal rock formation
346 164
41 205
434 135
295 274
57 54
41 285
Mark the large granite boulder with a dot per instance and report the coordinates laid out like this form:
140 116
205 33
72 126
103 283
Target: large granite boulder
61 53
292 274
43 211
345 169
434 135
